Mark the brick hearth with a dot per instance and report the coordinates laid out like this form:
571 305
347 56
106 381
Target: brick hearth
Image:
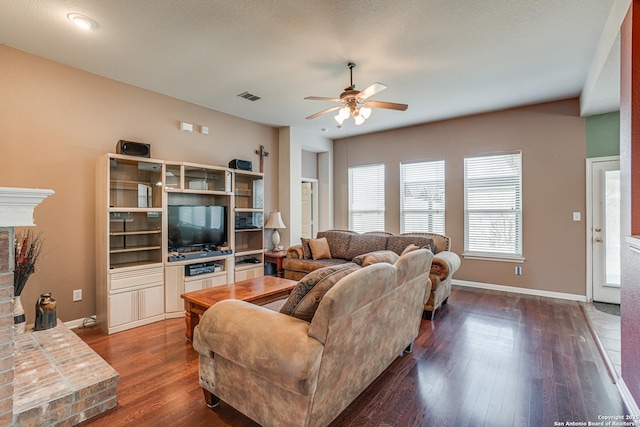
59 380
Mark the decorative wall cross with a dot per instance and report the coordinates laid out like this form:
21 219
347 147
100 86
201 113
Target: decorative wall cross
262 155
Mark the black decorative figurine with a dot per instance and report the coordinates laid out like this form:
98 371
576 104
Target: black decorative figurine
45 313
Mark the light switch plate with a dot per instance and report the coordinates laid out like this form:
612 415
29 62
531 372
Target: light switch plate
576 216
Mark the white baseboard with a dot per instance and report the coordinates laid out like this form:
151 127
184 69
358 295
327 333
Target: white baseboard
73 324
526 291
628 399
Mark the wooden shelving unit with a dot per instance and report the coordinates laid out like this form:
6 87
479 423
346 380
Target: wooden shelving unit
248 190
129 242
198 185
139 278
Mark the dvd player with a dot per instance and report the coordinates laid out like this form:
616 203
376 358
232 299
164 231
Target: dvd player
202 268
184 256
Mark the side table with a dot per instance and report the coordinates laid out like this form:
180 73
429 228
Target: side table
276 258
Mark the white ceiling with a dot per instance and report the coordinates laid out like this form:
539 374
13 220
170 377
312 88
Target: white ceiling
443 58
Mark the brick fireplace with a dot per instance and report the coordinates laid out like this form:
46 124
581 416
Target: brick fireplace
49 377
16 209
6 326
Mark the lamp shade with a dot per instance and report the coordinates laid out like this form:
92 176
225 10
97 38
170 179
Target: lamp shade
275 221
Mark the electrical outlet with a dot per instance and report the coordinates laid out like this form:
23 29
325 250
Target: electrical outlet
77 295
518 270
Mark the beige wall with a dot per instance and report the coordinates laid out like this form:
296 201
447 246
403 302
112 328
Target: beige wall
54 123
552 138
309 164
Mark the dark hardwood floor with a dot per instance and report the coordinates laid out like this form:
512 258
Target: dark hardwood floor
488 359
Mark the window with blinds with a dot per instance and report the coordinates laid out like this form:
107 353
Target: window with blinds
366 198
422 197
493 205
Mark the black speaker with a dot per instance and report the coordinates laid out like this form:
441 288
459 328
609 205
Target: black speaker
131 148
244 165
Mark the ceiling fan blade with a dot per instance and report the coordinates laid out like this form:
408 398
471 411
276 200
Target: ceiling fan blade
370 91
328 110
387 105
322 98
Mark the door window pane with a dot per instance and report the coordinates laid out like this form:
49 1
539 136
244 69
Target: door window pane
612 226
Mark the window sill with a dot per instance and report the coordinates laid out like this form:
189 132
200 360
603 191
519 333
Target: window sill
498 258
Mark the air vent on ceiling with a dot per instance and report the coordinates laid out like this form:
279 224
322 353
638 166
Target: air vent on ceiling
249 96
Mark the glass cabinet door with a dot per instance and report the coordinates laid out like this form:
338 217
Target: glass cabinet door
135 184
198 178
172 177
249 192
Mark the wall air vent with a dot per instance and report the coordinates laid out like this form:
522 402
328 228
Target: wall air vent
249 96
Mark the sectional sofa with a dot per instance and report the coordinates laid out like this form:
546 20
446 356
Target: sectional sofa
345 246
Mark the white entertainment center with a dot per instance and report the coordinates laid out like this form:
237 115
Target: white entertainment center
164 228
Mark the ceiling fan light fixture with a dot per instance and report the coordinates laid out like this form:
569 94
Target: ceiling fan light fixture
342 115
354 102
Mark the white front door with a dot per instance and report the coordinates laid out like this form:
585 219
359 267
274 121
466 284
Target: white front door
605 230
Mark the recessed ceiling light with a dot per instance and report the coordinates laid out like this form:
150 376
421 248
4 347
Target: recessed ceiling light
82 21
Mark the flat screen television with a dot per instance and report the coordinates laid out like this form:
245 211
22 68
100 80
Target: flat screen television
193 228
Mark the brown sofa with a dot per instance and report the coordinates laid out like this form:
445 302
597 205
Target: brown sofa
280 370
345 245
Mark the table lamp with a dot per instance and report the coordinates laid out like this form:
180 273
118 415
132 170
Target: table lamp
275 222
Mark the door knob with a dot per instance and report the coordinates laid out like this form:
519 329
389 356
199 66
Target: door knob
598 239
598 229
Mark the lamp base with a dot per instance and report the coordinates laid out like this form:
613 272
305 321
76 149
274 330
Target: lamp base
275 239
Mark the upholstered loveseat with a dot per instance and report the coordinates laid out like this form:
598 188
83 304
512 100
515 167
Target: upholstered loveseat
281 370
346 245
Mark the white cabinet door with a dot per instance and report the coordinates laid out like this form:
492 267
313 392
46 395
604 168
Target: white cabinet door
150 302
174 286
123 308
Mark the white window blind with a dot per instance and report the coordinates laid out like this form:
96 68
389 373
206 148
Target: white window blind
366 198
493 205
422 197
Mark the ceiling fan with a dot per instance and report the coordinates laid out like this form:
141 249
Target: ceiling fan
354 102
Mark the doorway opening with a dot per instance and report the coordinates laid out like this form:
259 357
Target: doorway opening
309 208
603 257
603 229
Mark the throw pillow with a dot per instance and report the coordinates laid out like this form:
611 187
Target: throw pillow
319 248
413 247
306 250
306 296
375 257
409 248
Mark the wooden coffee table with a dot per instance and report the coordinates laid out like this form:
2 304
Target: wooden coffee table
259 291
